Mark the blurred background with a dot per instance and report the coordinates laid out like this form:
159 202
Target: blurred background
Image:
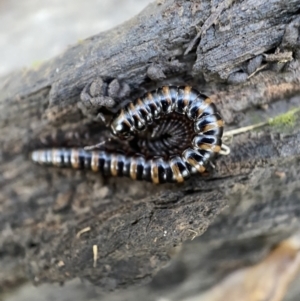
32 31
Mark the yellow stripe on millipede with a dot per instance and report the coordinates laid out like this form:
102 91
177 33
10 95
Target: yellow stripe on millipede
213 125
187 92
133 169
200 168
154 172
95 161
210 147
56 159
75 158
114 165
178 176
167 95
203 106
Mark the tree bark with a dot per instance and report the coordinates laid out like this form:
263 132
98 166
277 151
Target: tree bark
242 53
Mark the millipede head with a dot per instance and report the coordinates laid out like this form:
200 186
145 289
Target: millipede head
122 127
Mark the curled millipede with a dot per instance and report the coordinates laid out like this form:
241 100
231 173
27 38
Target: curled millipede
170 133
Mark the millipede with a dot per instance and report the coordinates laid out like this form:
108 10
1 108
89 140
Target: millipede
170 134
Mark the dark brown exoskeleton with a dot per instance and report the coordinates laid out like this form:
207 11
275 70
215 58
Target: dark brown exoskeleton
173 131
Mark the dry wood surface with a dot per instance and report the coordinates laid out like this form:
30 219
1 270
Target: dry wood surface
57 224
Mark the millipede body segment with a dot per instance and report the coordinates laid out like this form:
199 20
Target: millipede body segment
170 133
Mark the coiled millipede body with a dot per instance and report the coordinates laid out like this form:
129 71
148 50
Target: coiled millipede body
172 133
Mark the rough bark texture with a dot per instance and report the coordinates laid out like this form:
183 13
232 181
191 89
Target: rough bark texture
138 227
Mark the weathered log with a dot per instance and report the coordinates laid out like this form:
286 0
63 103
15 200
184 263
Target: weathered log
53 221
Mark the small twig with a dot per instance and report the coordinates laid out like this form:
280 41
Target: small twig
225 150
84 230
95 257
95 146
195 233
257 70
244 129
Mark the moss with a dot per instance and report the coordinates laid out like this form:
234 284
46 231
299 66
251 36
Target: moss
286 120
36 64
